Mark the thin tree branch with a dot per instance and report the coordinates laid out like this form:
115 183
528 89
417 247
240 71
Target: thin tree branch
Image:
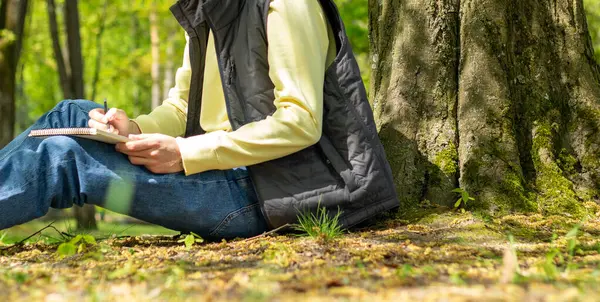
23 241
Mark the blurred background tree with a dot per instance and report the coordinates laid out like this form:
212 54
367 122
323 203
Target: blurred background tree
12 23
116 51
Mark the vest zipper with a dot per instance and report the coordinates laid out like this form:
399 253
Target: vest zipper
219 63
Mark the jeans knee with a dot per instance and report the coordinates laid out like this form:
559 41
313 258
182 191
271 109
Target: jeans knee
59 144
83 104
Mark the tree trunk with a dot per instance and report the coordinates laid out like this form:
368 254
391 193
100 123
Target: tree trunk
500 98
74 48
71 78
85 215
169 74
155 49
12 22
64 76
136 90
99 51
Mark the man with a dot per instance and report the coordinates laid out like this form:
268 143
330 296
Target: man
268 119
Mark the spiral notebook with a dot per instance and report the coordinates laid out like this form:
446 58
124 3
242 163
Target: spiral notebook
89 133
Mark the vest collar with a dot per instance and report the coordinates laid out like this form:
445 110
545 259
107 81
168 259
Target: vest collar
219 13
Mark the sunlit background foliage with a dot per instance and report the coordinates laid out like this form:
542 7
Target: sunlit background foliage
124 75
592 9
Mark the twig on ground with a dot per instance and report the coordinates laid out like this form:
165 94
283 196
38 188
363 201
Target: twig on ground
273 231
114 237
50 226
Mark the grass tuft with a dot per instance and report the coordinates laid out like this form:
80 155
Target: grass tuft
321 225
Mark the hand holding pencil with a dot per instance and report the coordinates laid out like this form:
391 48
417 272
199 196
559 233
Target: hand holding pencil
113 120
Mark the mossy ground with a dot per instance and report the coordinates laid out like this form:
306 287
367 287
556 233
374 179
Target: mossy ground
425 254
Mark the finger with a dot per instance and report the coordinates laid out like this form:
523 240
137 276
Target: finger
97 125
96 114
120 147
145 154
112 129
110 115
155 169
141 136
141 161
141 145
102 126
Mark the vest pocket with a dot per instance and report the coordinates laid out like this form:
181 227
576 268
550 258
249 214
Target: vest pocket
339 164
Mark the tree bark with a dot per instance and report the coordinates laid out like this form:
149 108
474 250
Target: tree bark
99 51
136 90
71 78
59 55
85 215
74 48
12 22
169 74
500 98
155 49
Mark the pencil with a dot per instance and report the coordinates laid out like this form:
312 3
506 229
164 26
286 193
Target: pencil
108 126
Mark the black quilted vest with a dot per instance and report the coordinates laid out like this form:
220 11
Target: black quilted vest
346 170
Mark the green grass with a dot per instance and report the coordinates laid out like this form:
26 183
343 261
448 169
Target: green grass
402 259
321 225
105 229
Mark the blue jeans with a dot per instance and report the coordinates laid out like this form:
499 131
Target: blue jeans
60 171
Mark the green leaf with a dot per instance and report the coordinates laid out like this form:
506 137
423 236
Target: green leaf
189 241
457 204
81 248
199 239
66 249
465 196
76 239
457 190
89 239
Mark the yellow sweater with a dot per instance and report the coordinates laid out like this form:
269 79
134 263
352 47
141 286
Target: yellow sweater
301 46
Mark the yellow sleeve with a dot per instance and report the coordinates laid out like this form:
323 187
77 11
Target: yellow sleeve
170 117
297 55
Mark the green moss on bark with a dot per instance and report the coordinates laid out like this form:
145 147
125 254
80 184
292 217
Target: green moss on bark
515 195
447 159
498 196
556 194
567 162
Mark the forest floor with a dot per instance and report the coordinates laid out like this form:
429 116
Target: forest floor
429 254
